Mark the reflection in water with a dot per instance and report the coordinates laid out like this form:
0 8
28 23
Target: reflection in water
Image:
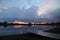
34 27
44 26
21 26
18 26
5 25
21 29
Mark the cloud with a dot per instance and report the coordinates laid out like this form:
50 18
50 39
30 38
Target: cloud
29 8
21 3
29 13
55 15
10 13
15 12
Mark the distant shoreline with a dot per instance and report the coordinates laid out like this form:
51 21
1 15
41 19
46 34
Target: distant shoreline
29 24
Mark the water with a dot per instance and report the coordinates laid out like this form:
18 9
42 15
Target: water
21 29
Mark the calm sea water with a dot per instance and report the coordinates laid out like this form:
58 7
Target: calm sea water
21 29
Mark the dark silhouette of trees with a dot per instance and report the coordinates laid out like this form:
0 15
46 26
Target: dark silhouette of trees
29 24
5 22
0 23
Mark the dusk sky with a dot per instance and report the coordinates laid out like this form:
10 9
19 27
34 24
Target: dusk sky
49 9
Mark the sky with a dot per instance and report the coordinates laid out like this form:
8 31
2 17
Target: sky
43 9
